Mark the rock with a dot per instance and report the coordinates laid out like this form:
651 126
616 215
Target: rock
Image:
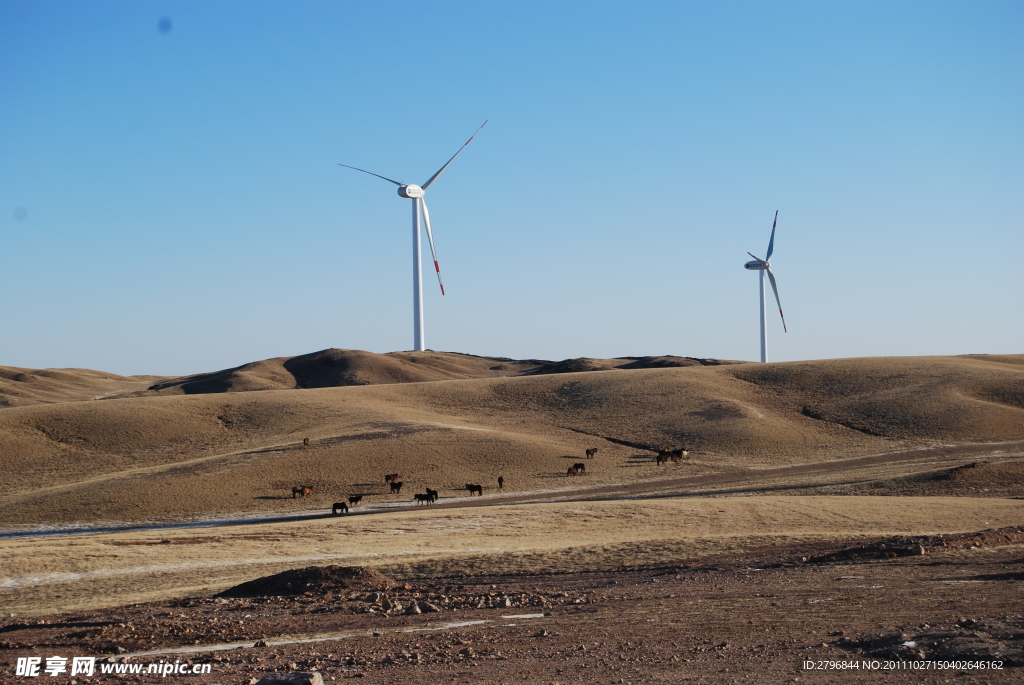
373 597
260 643
467 651
917 550
220 600
504 603
297 678
414 608
428 608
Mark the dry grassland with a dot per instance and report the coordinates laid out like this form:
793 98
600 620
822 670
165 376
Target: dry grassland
229 445
47 574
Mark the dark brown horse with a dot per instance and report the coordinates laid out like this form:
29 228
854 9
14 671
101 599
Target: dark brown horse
673 455
591 452
305 441
572 471
355 499
339 506
433 495
581 467
478 489
390 477
301 491
423 498
396 488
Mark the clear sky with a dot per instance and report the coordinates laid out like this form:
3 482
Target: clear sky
170 200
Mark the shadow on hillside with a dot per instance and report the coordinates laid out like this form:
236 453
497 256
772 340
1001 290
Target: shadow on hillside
638 460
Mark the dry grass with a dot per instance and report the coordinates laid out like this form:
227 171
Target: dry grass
42 574
192 449
177 457
23 387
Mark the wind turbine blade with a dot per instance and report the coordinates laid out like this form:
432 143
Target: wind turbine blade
775 290
430 239
771 241
758 259
372 174
441 170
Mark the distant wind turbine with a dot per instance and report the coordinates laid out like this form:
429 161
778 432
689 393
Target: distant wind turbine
415 193
763 265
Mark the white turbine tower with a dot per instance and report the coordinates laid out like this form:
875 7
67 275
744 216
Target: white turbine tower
415 193
763 265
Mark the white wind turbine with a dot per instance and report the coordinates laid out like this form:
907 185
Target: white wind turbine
415 193
763 265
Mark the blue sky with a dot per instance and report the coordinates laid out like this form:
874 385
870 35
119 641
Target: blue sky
170 202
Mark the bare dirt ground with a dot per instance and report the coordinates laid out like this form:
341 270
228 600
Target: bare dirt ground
761 615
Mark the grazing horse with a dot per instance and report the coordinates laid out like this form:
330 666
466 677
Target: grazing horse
305 441
355 499
572 471
676 455
591 452
301 491
663 456
501 482
581 467
396 488
433 495
423 498
478 489
390 477
339 506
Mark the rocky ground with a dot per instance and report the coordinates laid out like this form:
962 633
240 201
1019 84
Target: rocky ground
760 616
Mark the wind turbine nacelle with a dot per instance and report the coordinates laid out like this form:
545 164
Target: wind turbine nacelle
755 266
411 191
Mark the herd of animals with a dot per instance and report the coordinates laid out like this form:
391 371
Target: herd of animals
431 496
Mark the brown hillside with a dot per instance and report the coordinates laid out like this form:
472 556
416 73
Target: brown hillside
146 458
22 387
338 368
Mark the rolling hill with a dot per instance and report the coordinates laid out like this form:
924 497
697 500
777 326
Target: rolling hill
178 452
